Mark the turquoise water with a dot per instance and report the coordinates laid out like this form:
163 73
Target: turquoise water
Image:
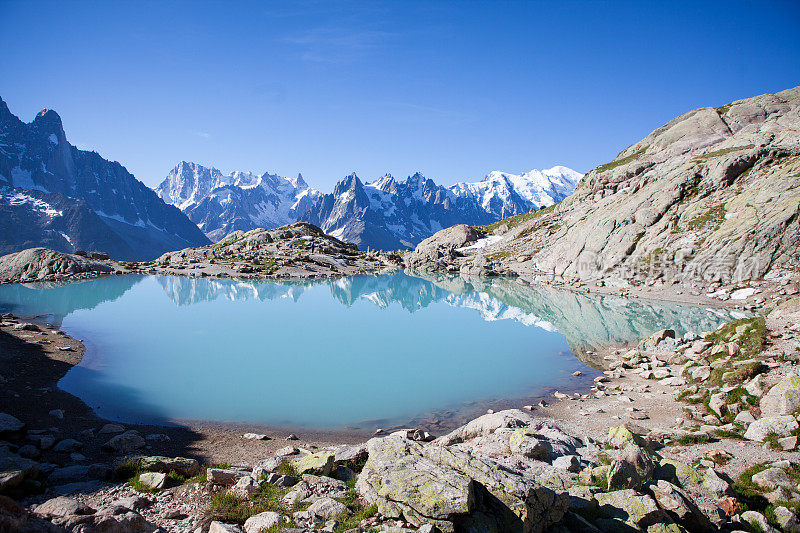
353 352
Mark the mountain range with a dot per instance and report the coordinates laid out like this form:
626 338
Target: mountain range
55 195
385 214
221 203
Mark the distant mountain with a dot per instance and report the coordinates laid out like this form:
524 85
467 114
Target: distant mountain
383 214
55 195
220 203
389 214
502 194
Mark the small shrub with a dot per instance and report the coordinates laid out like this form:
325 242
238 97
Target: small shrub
693 438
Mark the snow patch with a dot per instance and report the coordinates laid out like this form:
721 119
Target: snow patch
742 294
35 204
482 243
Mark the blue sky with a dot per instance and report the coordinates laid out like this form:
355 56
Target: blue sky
451 89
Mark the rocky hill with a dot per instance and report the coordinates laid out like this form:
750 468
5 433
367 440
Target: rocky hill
55 195
711 195
299 250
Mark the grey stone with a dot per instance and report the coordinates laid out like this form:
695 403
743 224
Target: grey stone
758 520
180 465
63 506
126 442
783 398
570 463
245 487
631 507
219 527
67 446
111 429
679 505
714 484
437 485
525 442
261 521
11 479
786 519
772 478
153 480
225 476
632 467
780 426
346 454
10 424
327 508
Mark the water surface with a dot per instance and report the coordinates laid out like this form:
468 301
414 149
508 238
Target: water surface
361 352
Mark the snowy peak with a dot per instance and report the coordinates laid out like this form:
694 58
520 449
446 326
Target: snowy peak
386 213
220 203
504 194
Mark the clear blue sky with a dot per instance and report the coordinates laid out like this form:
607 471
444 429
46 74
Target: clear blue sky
452 89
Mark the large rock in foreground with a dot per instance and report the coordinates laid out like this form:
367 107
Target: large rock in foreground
453 490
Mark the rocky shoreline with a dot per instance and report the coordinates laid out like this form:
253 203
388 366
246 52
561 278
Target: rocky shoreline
664 441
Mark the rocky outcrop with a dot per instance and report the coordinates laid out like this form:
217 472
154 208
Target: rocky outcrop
41 264
438 252
711 195
453 490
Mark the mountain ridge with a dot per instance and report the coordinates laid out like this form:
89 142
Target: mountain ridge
385 213
55 195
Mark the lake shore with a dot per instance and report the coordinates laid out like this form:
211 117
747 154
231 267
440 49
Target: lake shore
41 355
49 353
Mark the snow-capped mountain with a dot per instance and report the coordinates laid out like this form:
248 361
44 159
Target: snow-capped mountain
220 203
502 194
389 214
55 195
384 214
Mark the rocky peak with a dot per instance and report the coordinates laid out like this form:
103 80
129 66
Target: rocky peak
48 122
350 182
385 183
299 182
5 113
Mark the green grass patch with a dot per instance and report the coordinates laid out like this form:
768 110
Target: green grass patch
693 438
516 220
751 341
287 468
621 161
715 215
724 109
740 394
727 434
724 151
356 511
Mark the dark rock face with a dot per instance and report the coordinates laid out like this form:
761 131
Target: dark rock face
55 195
